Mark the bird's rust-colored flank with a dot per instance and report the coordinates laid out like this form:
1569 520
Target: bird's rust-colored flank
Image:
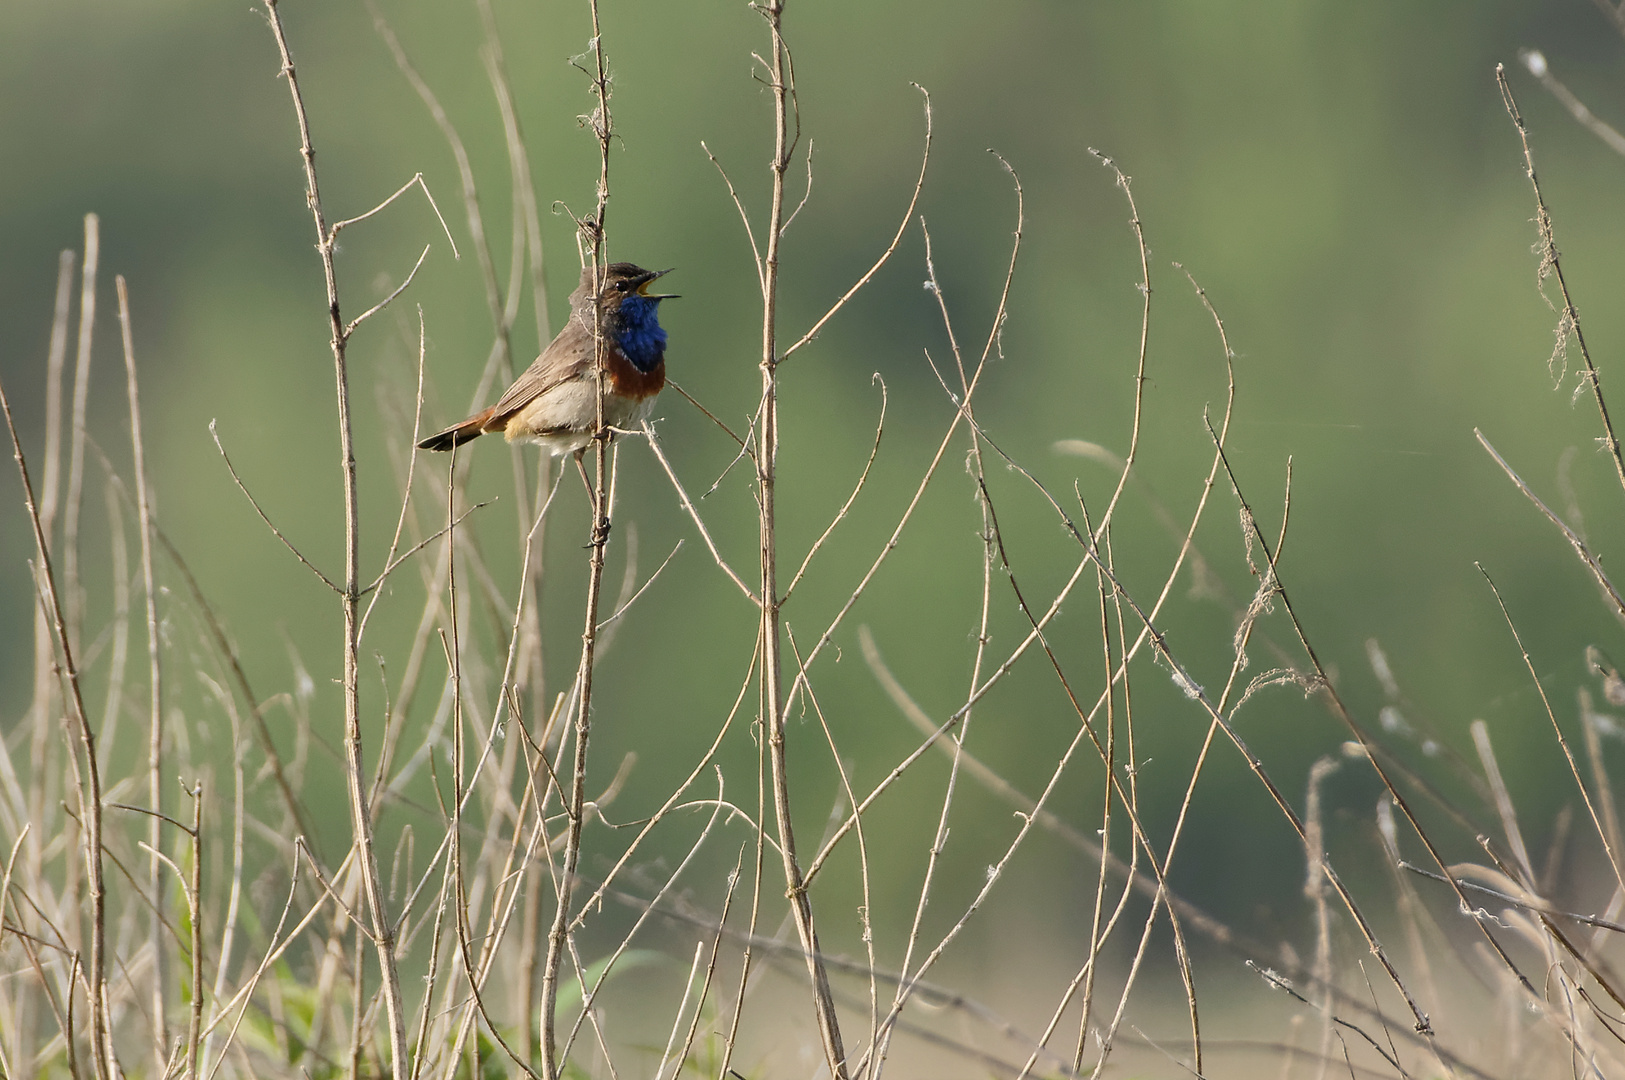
627 381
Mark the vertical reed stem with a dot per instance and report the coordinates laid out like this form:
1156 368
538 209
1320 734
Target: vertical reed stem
767 439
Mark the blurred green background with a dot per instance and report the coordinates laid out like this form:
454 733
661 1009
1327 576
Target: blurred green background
1341 178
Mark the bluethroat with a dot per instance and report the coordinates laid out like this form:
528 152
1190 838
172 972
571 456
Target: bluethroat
554 403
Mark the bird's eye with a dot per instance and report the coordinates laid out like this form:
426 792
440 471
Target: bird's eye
622 286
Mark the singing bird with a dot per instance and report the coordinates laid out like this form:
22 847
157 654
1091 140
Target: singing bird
554 403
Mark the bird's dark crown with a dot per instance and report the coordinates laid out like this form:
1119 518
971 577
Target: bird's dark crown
620 279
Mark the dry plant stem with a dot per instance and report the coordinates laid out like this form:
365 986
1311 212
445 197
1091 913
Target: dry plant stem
465 172
885 256
502 312
43 648
1143 883
934 732
55 359
1592 563
593 231
874 568
590 995
279 945
865 896
1615 13
1536 63
519 164
503 898
737 1013
682 1006
1086 728
90 789
1160 645
880 1042
694 514
1422 1024
1145 338
1605 793
381 929
239 816
960 414
1266 589
390 560
76 456
527 240
1568 317
1502 798
1097 934
155 729
593 902
857 489
228 655
1554 936
1314 888
774 698
460 912
1562 742
269 524
194 1027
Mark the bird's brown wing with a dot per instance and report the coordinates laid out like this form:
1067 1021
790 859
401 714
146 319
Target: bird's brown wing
568 356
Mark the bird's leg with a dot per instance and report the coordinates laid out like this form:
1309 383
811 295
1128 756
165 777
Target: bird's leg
600 522
581 468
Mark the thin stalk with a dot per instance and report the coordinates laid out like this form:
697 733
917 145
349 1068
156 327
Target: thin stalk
767 440
194 1026
90 785
155 741
593 231
382 930
81 403
33 804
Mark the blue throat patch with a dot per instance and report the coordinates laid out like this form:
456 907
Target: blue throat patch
641 340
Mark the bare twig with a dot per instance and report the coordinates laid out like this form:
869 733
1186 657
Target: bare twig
349 327
155 723
269 524
741 443
774 698
1562 742
750 233
694 514
81 399
592 233
427 194
90 788
381 928
1592 563
1535 61
1568 323
891 248
840 515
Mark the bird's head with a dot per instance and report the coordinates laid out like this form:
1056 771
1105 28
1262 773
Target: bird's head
621 282
630 310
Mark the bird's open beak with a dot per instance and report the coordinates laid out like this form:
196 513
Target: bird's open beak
643 286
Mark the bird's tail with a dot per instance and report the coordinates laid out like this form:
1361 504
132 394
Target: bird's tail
458 434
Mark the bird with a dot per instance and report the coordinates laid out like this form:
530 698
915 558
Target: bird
554 403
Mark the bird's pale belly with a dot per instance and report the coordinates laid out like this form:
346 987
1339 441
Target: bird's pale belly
555 419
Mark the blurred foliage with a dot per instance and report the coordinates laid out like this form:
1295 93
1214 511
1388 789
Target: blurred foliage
1341 178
